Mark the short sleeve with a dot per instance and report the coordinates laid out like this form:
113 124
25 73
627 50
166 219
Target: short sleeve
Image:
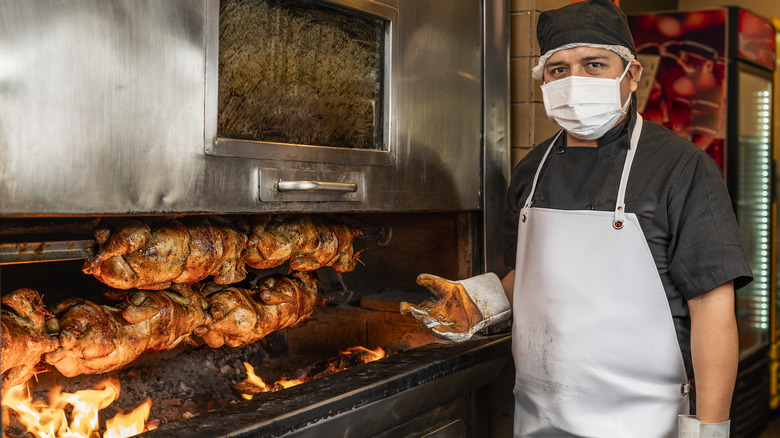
509 226
705 248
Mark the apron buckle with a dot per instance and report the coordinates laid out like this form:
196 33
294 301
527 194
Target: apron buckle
620 216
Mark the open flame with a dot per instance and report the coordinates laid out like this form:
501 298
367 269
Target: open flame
346 359
49 420
365 354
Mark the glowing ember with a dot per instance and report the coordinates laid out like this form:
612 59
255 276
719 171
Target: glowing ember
49 420
352 356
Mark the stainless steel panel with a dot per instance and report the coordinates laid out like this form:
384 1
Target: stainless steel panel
297 152
101 103
497 161
103 111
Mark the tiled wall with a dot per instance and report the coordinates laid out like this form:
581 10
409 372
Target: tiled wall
529 124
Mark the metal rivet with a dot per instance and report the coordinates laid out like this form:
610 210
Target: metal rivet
617 225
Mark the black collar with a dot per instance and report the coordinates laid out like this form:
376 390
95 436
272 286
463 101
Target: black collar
621 130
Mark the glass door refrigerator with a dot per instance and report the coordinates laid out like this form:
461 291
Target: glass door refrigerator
709 76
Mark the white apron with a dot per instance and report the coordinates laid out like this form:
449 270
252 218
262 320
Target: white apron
594 345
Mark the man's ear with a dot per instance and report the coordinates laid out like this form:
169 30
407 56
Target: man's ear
634 73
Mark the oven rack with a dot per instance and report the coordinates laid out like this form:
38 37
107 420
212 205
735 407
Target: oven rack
55 251
35 252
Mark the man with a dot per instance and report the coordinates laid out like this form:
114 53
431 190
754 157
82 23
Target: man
626 257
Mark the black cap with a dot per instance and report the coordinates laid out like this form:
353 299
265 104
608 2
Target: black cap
589 22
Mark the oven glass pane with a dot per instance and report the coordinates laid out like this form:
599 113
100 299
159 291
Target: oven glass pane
300 73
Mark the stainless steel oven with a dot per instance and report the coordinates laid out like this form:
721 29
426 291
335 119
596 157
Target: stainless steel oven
387 113
113 107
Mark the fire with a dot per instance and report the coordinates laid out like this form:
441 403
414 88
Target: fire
258 385
254 379
346 359
49 420
370 355
288 383
131 423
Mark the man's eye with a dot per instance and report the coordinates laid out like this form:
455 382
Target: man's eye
595 65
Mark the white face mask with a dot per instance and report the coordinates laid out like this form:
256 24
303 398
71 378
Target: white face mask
585 107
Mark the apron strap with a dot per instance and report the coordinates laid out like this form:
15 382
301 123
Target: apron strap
620 204
529 200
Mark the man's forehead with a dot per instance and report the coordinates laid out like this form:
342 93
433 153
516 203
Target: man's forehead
582 53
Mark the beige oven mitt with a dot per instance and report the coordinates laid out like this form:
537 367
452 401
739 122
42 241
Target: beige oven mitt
690 427
460 308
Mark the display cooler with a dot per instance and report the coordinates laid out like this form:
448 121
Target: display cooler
356 143
709 76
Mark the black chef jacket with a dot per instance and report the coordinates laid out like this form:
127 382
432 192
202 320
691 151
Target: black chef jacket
675 189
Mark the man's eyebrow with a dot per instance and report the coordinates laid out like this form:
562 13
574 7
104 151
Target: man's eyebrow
556 64
591 58
594 58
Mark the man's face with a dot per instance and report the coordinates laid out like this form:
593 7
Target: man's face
592 62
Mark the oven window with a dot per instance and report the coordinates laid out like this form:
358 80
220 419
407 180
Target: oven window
295 72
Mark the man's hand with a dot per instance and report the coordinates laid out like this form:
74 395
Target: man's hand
460 308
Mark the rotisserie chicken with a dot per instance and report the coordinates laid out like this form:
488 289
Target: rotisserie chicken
95 339
24 336
152 256
308 242
242 316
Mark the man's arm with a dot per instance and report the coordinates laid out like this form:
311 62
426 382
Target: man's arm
715 352
508 283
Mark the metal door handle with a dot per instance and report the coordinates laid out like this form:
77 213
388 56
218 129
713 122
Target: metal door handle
315 186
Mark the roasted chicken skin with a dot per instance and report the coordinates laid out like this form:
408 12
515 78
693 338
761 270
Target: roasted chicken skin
152 256
171 315
24 336
95 339
82 337
242 316
309 243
